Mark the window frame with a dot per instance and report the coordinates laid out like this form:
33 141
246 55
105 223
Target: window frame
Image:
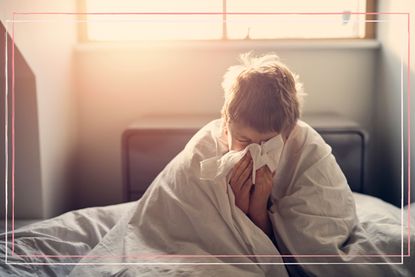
370 28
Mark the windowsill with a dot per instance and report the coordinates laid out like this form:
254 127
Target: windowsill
224 45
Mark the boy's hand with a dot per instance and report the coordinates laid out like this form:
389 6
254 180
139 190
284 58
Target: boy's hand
261 192
241 183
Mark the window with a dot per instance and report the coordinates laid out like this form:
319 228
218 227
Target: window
224 19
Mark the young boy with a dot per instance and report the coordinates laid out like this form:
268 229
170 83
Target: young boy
305 206
262 100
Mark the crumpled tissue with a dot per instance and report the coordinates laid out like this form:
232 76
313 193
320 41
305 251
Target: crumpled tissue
268 153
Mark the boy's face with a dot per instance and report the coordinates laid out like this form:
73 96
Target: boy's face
240 136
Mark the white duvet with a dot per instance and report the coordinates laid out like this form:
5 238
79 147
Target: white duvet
188 226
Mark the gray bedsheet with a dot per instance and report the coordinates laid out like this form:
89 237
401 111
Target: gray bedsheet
62 241
53 247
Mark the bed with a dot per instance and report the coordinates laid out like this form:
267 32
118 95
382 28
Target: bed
55 246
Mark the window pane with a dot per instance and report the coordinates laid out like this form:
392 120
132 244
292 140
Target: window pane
343 25
203 27
153 27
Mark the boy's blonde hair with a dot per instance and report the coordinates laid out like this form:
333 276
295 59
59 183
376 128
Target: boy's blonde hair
262 93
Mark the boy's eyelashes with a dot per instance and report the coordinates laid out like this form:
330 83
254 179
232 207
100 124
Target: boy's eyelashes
244 141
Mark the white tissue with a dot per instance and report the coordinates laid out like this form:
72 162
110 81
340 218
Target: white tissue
267 153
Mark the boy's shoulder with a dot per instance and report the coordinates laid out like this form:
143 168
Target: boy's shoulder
308 143
209 140
306 134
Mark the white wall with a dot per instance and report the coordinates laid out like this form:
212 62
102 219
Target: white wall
118 84
48 48
393 36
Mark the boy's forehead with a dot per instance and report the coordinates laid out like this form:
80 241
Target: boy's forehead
238 127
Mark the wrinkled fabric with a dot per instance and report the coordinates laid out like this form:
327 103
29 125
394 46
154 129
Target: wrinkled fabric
183 219
52 247
313 212
313 216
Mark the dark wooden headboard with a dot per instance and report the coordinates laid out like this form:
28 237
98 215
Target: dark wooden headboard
27 177
149 144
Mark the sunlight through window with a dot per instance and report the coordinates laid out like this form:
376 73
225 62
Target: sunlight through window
179 21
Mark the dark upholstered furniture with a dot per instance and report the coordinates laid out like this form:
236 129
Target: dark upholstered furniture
150 143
